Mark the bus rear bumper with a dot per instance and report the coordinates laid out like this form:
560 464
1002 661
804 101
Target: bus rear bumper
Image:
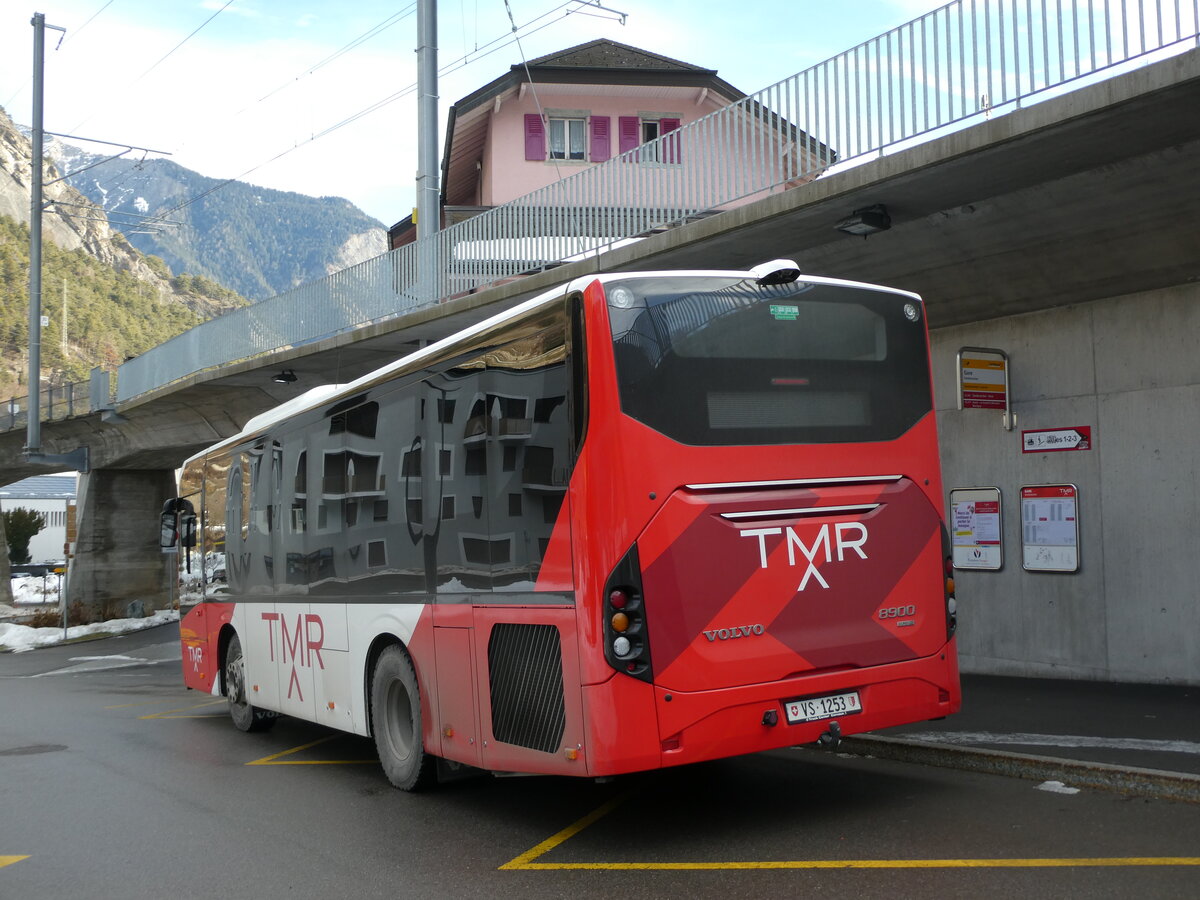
703 725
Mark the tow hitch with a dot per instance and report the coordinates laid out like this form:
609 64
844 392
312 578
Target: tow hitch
832 738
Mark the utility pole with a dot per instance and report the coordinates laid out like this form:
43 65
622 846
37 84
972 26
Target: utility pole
428 212
78 458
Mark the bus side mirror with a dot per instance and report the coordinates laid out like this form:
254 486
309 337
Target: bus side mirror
167 535
187 528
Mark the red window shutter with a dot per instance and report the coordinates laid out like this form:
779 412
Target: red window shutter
670 145
630 132
535 137
601 146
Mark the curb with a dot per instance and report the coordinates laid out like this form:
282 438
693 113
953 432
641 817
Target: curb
1152 783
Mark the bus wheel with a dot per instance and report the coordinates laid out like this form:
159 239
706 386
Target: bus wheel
245 717
396 719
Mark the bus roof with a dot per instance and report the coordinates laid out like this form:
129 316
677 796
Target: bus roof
323 394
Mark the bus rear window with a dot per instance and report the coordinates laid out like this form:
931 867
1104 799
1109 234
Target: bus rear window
713 361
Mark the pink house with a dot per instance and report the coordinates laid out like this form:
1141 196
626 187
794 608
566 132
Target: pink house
566 112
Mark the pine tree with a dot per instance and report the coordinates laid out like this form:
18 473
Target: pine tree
20 525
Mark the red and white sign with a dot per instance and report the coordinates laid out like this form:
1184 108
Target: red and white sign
1053 440
1050 527
977 532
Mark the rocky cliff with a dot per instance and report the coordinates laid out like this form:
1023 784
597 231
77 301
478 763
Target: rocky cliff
74 222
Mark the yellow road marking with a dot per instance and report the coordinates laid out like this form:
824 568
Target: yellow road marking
9 860
274 758
1130 861
143 703
173 713
526 861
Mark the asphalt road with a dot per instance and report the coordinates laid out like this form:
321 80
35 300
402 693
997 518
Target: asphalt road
115 782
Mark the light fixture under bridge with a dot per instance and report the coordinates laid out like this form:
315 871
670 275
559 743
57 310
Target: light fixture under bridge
867 220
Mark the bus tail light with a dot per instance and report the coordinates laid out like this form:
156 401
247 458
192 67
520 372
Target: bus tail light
626 640
951 602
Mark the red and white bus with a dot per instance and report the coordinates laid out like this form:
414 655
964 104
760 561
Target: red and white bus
643 519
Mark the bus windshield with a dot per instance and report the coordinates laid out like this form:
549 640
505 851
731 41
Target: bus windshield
714 361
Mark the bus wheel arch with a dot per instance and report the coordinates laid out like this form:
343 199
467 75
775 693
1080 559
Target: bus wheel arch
396 718
232 672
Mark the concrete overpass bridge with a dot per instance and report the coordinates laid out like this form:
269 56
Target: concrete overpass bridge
1050 229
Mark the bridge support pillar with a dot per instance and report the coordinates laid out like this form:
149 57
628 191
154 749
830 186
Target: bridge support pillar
119 570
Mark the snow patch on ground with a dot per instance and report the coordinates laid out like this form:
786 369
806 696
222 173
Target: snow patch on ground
1057 787
19 638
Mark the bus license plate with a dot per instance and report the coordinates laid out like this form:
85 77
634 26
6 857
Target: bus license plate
813 709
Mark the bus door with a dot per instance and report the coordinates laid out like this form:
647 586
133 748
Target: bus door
456 678
254 616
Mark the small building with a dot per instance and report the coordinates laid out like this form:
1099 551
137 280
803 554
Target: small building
54 497
576 108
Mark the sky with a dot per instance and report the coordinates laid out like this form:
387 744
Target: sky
250 89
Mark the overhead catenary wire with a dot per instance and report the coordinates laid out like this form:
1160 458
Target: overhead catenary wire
168 54
375 31
486 50
90 18
558 174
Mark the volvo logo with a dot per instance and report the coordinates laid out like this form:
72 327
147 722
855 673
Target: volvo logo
727 634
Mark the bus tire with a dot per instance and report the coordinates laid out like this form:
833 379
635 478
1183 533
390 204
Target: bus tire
396 722
245 717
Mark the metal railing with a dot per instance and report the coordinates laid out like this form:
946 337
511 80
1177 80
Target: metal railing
58 401
965 60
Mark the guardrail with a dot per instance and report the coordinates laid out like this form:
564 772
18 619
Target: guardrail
968 59
59 401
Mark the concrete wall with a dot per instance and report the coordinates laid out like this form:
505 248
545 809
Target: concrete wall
119 570
1127 367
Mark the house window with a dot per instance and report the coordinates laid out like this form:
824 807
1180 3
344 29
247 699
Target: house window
635 130
568 135
567 138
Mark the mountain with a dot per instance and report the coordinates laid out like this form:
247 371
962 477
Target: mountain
258 241
114 300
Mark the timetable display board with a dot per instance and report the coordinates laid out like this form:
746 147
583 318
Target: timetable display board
1050 527
976 522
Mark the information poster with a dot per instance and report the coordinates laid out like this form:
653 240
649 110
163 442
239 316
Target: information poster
977 530
1050 527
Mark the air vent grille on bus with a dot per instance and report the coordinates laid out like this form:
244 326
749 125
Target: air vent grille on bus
525 671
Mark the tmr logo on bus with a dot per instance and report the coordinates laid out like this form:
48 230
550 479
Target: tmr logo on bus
831 542
196 655
297 644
